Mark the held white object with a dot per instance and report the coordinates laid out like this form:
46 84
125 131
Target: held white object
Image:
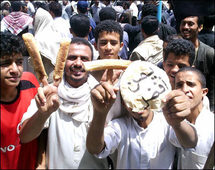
143 85
106 64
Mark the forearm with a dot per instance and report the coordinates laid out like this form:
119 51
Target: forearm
95 136
32 127
186 134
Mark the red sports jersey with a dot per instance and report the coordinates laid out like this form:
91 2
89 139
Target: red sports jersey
15 155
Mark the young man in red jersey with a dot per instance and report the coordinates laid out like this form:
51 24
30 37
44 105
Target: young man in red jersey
17 90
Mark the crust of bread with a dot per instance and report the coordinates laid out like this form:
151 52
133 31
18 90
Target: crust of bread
33 51
106 64
61 60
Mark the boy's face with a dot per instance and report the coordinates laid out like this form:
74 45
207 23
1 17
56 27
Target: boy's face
11 70
109 45
173 63
188 82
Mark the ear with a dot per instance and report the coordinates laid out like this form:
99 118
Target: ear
204 91
200 27
121 46
90 29
95 45
71 30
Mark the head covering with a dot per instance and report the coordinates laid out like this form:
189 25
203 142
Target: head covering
4 2
47 37
16 22
82 6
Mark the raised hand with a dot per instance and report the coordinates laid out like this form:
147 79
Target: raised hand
104 95
47 99
176 107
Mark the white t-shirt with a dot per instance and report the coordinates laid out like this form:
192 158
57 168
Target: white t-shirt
196 158
139 148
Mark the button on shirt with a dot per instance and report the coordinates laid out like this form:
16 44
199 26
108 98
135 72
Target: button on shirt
138 147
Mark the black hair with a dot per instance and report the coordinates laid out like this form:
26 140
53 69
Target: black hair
79 40
200 75
41 5
16 6
149 9
149 24
108 26
80 25
11 44
107 13
180 47
56 8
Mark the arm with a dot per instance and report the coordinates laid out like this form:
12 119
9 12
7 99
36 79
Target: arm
103 96
176 109
47 102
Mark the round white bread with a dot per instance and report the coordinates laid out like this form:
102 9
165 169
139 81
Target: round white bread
143 85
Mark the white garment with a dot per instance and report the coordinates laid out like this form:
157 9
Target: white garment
62 26
134 10
139 148
68 125
31 9
46 35
195 158
150 49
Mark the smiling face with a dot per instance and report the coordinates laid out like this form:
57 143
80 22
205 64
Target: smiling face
189 28
74 70
172 64
109 45
11 70
188 82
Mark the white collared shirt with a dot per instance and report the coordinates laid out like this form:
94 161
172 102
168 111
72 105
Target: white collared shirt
139 148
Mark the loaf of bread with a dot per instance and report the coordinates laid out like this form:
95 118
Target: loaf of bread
106 64
61 60
143 85
33 51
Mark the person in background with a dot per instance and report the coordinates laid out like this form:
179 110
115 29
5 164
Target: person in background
207 34
82 8
30 7
5 9
192 83
110 13
17 90
190 26
151 48
109 41
95 8
16 22
80 27
61 25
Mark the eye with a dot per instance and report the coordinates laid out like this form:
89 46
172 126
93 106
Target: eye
84 59
71 57
19 62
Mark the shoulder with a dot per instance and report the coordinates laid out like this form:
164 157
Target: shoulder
206 47
28 80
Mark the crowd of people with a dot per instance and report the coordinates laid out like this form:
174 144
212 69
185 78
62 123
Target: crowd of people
83 122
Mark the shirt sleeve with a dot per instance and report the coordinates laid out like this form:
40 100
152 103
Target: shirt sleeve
112 138
173 138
